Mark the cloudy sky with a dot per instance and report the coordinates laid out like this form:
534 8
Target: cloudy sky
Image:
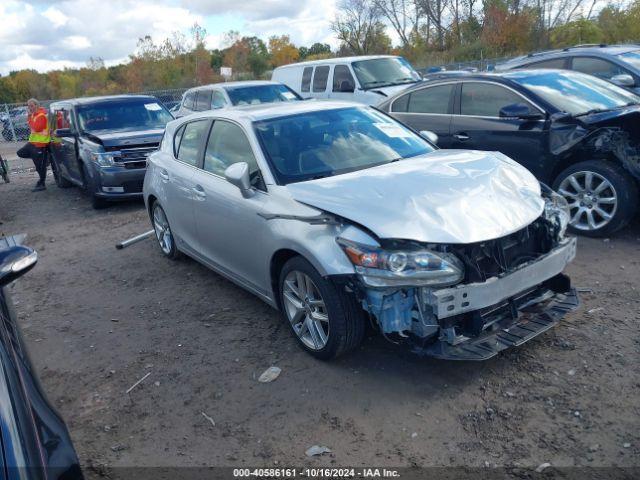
52 34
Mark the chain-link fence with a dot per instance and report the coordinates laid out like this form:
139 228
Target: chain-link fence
13 116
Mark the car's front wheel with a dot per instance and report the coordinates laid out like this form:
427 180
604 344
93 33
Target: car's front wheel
326 321
163 232
602 196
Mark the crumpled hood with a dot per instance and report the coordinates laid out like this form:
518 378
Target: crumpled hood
124 138
446 196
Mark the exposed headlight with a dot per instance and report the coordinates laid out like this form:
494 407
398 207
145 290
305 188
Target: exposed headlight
396 268
104 159
556 209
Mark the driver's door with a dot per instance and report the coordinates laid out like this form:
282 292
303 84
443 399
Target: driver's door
228 225
477 125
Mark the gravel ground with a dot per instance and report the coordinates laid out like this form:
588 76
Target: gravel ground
97 320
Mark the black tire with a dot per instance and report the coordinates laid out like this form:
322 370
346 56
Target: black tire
61 182
97 203
625 189
4 168
345 316
172 251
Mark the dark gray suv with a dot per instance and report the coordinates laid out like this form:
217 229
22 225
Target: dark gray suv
619 64
101 144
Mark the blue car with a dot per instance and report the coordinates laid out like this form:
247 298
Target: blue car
34 441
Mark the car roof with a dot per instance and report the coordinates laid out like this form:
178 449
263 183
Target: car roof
106 99
239 83
268 111
596 49
336 60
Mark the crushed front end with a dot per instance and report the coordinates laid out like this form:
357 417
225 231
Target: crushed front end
469 301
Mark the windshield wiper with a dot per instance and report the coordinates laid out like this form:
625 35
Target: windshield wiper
378 83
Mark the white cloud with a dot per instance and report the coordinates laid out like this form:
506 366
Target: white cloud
52 34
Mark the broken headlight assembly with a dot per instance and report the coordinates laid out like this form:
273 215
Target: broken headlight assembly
104 159
556 209
381 268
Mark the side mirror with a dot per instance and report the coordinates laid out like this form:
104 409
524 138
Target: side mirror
63 133
346 86
518 110
429 135
14 262
238 175
624 80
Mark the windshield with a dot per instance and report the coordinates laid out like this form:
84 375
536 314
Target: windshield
632 58
383 72
261 94
573 92
330 142
123 115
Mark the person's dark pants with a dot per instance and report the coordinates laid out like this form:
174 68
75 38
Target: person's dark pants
39 157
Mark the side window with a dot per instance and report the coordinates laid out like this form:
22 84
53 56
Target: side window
218 100
431 100
176 140
227 145
486 100
320 78
61 119
596 67
189 100
306 79
203 100
401 104
555 63
191 140
342 79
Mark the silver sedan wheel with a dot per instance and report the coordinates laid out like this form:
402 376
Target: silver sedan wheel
163 232
592 200
306 310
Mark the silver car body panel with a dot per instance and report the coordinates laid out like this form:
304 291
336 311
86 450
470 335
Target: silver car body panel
447 302
455 197
447 196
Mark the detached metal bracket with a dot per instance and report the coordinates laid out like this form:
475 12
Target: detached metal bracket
316 220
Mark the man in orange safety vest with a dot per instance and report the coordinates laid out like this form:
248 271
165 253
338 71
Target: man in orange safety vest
39 139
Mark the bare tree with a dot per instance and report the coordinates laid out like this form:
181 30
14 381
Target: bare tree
434 10
403 15
358 25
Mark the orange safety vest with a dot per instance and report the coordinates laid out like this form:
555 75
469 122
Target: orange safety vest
43 137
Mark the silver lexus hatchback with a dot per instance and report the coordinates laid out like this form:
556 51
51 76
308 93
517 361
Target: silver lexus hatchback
339 216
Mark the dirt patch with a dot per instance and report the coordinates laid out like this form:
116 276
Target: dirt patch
97 320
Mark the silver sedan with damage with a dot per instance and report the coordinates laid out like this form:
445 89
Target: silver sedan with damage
339 216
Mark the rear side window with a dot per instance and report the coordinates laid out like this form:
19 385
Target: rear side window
342 79
320 78
401 104
306 79
203 101
486 100
176 140
191 141
555 63
596 67
218 100
227 145
189 100
431 100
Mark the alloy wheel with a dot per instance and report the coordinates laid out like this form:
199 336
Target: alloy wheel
163 232
592 200
306 310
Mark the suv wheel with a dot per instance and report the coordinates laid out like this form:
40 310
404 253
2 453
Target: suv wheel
87 185
326 321
602 196
164 235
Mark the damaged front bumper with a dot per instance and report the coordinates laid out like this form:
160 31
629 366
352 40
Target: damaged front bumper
475 321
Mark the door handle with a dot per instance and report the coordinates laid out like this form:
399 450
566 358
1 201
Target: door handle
164 175
461 136
199 191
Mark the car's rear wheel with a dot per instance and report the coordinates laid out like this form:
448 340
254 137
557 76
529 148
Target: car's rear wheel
163 232
602 196
326 322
